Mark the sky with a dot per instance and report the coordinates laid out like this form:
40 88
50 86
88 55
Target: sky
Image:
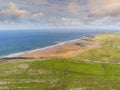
43 13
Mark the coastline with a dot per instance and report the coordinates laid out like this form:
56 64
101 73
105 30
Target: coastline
19 54
87 43
39 49
63 50
69 48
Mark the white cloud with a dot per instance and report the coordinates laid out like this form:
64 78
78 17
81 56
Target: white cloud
75 8
63 21
61 12
13 10
38 14
102 8
14 14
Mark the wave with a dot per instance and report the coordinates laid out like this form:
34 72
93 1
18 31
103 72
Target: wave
19 54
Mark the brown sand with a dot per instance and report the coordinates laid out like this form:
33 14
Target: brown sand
68 49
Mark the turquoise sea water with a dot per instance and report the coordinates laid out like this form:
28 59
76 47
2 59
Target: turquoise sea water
17 41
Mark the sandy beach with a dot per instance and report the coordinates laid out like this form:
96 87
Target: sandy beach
64 50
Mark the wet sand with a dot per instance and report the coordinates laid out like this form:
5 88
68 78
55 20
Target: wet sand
65 50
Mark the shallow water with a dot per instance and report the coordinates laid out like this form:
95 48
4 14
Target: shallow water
17 41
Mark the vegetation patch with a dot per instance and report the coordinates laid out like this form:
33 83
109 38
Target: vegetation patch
68 73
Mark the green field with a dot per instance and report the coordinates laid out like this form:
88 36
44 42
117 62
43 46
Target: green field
68 74
109 51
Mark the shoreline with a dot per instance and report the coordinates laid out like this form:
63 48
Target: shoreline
87 41
47 47
19 54
65 49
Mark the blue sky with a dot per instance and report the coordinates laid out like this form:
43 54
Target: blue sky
59 12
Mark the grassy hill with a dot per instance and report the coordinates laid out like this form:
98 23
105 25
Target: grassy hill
78 73
109 51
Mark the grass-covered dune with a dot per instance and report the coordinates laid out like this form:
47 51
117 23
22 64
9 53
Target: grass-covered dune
77 73
109 51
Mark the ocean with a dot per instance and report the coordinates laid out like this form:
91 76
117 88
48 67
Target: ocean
14 42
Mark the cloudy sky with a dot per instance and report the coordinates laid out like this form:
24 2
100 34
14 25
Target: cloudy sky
60 12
